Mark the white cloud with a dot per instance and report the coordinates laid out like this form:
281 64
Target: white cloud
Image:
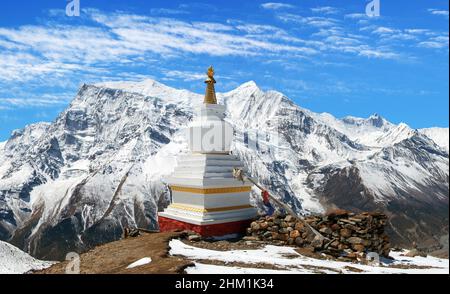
440 12
314 21
43 101
276 5
438 42
57 54
186 76
169 36
325 10
417 31
374 53
56 50
167 11
356 16
384 30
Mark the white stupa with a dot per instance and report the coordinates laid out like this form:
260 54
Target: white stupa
206 198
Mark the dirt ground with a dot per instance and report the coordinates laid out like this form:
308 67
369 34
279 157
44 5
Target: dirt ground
114 257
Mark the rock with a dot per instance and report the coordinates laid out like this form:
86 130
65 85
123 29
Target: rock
355 240
275 235
342 246
337 213
263 225
385 253
317 243
283 231
195 238
299 241
250 238
299 226
255 226
350 227
290 241
335 227
355 219
289 229
267 234
294 234
347 221
345 233
131 233
283 237
326 230
284 225
415 252
359 247
289 218
335 244
279 215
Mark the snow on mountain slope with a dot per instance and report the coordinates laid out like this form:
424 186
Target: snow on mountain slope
100 166
15 261
439 135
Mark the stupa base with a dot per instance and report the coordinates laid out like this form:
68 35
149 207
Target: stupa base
207 230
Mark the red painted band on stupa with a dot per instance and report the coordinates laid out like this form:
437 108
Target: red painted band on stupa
238 227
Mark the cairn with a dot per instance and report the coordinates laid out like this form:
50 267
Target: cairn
339 233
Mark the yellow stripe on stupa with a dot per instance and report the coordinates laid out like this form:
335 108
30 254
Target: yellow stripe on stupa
205 210
211 190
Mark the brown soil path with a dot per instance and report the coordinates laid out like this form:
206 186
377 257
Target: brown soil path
114 257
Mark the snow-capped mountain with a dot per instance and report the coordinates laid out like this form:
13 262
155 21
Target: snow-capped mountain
75 183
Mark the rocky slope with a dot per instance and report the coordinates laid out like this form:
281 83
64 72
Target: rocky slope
100 166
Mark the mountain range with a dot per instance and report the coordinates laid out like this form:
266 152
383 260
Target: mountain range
77 182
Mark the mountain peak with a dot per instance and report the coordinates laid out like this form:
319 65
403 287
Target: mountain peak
133 86
376 120
250 85
152 88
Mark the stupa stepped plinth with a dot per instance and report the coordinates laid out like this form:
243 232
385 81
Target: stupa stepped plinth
206 198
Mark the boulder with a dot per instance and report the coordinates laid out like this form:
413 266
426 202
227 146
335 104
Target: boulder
294 234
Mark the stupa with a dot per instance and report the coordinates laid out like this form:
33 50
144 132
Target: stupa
206 198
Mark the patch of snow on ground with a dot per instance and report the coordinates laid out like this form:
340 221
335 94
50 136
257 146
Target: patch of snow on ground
15 261
287 259
140 262
200 268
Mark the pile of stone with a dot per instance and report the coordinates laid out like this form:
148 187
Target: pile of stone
339 233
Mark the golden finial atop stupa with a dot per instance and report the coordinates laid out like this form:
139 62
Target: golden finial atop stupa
210 95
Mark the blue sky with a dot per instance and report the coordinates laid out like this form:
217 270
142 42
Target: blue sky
328 56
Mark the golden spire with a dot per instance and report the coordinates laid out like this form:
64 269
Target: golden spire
210 95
